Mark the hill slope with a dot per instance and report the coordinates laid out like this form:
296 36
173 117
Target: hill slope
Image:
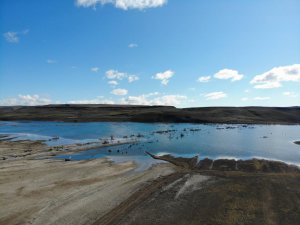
84 113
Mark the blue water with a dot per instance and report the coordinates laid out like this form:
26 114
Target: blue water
213 141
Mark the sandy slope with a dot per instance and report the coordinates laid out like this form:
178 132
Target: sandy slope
58 192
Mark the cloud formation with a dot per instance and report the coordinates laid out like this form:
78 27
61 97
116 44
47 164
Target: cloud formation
290 94
274 77
204 79
132 78
147 99
98 100
113 82
11 37
25 100
51 61
132 45
226 74
261 98
116 75
164 77
95 69
119 91
215 95
14 37
123 4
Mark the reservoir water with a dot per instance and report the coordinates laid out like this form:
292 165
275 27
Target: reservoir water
181 139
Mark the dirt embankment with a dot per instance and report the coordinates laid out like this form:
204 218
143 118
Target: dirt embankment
83 113
34 191
231 199
255 192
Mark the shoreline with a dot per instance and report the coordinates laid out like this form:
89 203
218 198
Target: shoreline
100 191
49 191
47 151
158 122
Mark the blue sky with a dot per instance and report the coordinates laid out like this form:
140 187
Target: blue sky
176 52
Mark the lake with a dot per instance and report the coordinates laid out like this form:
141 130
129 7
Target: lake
181 139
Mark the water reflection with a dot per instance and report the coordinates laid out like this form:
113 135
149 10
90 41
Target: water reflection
236 141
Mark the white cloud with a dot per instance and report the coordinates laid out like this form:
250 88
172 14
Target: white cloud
290 94
14 37
51 61
132 78
116 75
119 91
215 95
152 94
123 4
26 31
98 100
204 79
147 99
245 99
229 74
135 100
132 45
11 37
268 85
152 98
164 77
168 100
25 100
246 91
262 98
113 82
274 77
95 69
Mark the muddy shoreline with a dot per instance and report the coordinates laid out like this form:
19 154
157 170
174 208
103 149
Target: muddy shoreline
27 149
52 191
183 191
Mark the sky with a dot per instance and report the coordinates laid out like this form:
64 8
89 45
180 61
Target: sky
187 53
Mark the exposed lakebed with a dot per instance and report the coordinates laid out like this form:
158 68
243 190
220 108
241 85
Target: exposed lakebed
180 139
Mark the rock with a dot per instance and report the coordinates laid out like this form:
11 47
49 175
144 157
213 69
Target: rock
224 164
204 164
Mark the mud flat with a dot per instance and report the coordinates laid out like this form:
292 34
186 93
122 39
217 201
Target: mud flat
27 149
48 191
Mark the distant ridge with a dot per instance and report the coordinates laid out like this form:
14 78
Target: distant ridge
144 113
